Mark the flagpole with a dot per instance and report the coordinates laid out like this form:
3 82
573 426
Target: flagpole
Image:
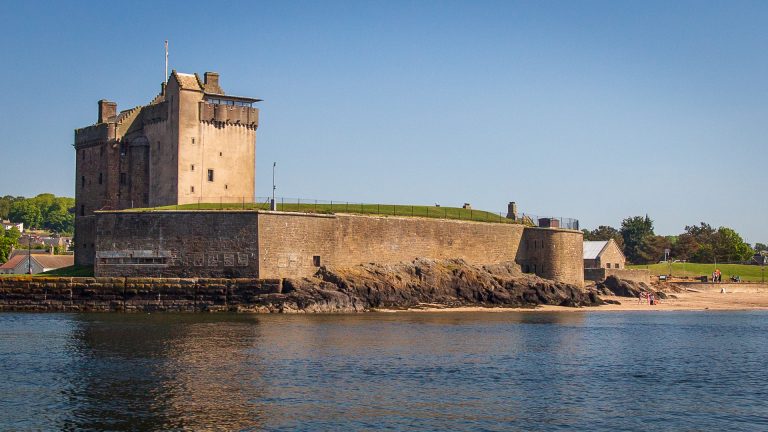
165 79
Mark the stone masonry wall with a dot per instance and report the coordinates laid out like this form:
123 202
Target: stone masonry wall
553 254
131 294
282 245
177 244
293 244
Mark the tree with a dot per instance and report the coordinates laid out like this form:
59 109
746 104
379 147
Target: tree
652 248
604 232
685 246
730 247
60 217
634 230
26 211
8 240
759 247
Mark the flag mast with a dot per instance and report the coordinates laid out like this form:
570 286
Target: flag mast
165 79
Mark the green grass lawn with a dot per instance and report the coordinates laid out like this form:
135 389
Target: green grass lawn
71 271
746 272
330 208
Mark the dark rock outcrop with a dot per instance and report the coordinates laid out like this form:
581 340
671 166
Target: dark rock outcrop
423 283
613 286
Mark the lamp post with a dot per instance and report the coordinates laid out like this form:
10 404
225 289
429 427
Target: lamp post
29 254
273 204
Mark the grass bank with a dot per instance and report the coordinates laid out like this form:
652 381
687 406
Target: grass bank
370 209
750 273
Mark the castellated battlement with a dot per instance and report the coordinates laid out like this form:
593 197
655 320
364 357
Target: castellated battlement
242 115
94 134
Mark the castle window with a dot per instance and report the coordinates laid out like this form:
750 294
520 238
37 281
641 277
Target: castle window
82 210
100 178
226 186
82 181
210 175
192 168
316 260
192 189
193 140
221 154
123 178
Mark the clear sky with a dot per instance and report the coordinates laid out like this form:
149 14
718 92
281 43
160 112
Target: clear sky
592 110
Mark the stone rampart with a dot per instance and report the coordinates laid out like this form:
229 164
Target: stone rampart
296 244
26 293
257 244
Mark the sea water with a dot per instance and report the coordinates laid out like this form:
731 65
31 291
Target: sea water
595 371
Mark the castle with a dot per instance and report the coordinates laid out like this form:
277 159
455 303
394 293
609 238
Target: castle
193 142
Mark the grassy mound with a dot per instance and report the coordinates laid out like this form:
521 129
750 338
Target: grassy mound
751 273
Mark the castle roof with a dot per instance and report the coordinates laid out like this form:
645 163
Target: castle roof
187 81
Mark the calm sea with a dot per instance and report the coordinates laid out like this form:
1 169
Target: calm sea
415 371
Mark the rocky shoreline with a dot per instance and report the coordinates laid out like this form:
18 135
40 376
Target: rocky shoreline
445 284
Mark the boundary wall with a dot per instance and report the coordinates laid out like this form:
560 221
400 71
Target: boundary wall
263 244
25 293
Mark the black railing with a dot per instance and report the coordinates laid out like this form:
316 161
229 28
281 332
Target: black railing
340 206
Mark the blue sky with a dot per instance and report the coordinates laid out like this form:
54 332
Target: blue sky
592 110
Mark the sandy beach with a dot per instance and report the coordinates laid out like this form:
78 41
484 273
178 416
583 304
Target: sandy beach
685 301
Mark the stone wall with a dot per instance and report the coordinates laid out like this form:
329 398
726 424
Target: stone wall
131 294
281 245
555 254
599 274
294 244
177 244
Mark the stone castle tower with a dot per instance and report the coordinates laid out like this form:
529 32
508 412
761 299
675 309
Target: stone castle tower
191 143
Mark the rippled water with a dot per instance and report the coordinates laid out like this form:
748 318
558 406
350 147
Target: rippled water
479 371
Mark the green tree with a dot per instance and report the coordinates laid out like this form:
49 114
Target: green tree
604 232
759 247
652 248
730 247
8 240
28 212
634 230
60 216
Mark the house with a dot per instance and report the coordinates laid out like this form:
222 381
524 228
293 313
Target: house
8 225
19 264
603 254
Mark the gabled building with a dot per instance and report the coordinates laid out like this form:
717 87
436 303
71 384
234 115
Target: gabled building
20 264
191 143
603 254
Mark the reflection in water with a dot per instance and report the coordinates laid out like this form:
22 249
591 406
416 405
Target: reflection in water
161 371
492 371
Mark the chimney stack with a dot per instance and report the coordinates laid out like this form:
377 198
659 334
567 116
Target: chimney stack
107 111
211 83
512 211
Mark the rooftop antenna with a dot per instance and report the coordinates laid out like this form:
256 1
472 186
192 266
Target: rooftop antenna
165 79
